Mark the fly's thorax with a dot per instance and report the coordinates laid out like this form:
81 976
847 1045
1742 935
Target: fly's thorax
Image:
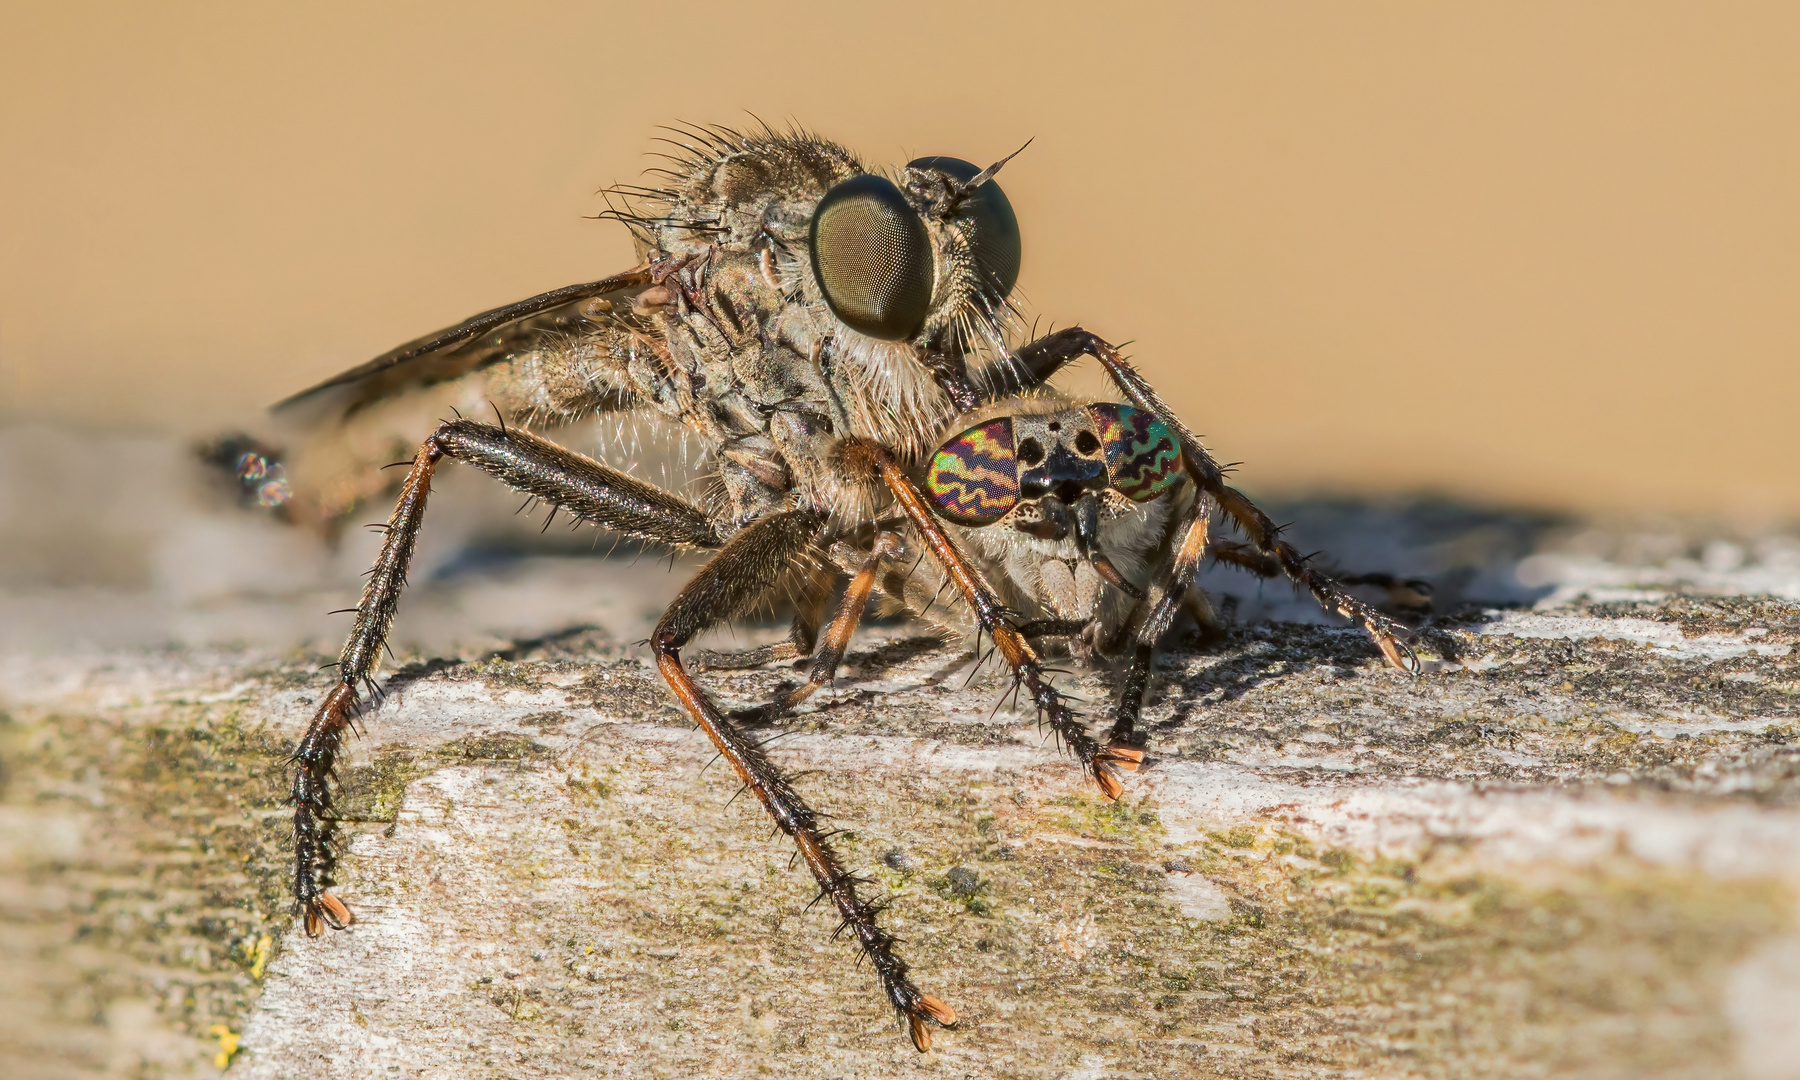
847 270
735 192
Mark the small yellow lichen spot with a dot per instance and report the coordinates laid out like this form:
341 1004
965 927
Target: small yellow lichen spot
259 956
228 1043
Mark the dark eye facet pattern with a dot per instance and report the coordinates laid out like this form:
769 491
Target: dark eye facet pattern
987 221
1141 453
872 256
974 477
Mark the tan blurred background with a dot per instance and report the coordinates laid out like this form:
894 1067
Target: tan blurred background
1541 254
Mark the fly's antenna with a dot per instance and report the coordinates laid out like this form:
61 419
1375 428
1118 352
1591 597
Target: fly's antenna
987 174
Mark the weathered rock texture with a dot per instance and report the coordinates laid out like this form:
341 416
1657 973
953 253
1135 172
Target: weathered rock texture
1570 848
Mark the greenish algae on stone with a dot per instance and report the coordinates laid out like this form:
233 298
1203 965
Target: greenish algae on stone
147 882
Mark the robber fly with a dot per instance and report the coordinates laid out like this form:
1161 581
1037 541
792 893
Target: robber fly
817 326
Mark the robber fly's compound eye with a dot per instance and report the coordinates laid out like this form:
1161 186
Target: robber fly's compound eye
872 256
974 477
988 223
1142 457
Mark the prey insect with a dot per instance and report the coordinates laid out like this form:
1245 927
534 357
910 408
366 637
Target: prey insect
1098 518
816 326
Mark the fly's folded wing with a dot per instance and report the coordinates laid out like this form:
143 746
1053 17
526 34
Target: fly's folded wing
470 345
529 359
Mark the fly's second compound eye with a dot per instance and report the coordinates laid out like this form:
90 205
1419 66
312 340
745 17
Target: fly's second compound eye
987 221
872 256
974 477
1142 457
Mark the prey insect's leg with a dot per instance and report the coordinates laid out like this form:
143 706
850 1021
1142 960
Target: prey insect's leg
1043 357
1053 628
1200 606
735 578
1411 595
870 461
577 485
1167 596
1247 557
837 639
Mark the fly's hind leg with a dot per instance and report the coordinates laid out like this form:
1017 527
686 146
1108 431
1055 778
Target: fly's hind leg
737 577
577 485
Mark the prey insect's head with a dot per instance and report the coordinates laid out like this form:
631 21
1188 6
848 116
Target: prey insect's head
1051 475
903 261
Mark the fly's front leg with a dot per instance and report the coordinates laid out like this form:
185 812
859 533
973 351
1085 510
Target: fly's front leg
1385 632
1042 358
870 462
740 574
579 486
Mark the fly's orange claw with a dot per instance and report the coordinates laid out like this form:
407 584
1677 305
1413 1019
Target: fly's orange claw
1397 654
927 1008
326 910
1109 784
1125 757
1109 762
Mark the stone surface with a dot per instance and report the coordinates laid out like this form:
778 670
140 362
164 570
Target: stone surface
1570 847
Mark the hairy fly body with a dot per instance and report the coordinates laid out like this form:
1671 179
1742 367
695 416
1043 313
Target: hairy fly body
839 343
